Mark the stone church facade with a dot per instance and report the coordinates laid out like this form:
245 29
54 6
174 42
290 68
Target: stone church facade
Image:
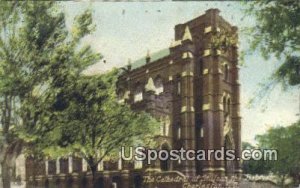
193 88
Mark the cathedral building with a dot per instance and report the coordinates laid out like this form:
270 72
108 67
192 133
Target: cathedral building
193 88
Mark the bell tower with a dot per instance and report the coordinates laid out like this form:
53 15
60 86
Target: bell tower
210 86
217 94
199 92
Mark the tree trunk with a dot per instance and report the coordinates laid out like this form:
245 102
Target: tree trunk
5 171
94 170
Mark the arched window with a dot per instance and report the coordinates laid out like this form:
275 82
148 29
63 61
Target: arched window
224 104
165 126
201 132
178 87
179 132
138 94
177 84
228 106
159 88
226 109
226 72
162 129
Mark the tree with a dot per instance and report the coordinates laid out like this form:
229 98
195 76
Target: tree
37 54
254 166
277 31
93 125
286 141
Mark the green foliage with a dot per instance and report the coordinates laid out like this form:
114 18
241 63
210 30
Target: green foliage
47 104
92 124
289 72
286 141
254 167
277 28
278 32
223 40
39 58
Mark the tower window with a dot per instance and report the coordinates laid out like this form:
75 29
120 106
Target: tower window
167 125
226 109
179 133
178 87
228 106
226 72
224 105
201 132
162 129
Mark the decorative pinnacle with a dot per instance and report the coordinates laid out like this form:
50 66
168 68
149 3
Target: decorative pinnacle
129 61
148 53
187 34
148 58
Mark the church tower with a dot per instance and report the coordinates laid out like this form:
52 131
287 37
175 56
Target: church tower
194 84
210 99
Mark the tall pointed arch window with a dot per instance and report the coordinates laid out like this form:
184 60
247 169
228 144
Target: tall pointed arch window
224 105
228 106
165 125
179 132
226 72
178 85
226 109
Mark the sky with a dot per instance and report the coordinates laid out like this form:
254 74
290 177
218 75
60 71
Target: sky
127 30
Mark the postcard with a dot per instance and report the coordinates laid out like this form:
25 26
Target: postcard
156 94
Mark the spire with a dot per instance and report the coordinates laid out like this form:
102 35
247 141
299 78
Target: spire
148 58
187 34
129 64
